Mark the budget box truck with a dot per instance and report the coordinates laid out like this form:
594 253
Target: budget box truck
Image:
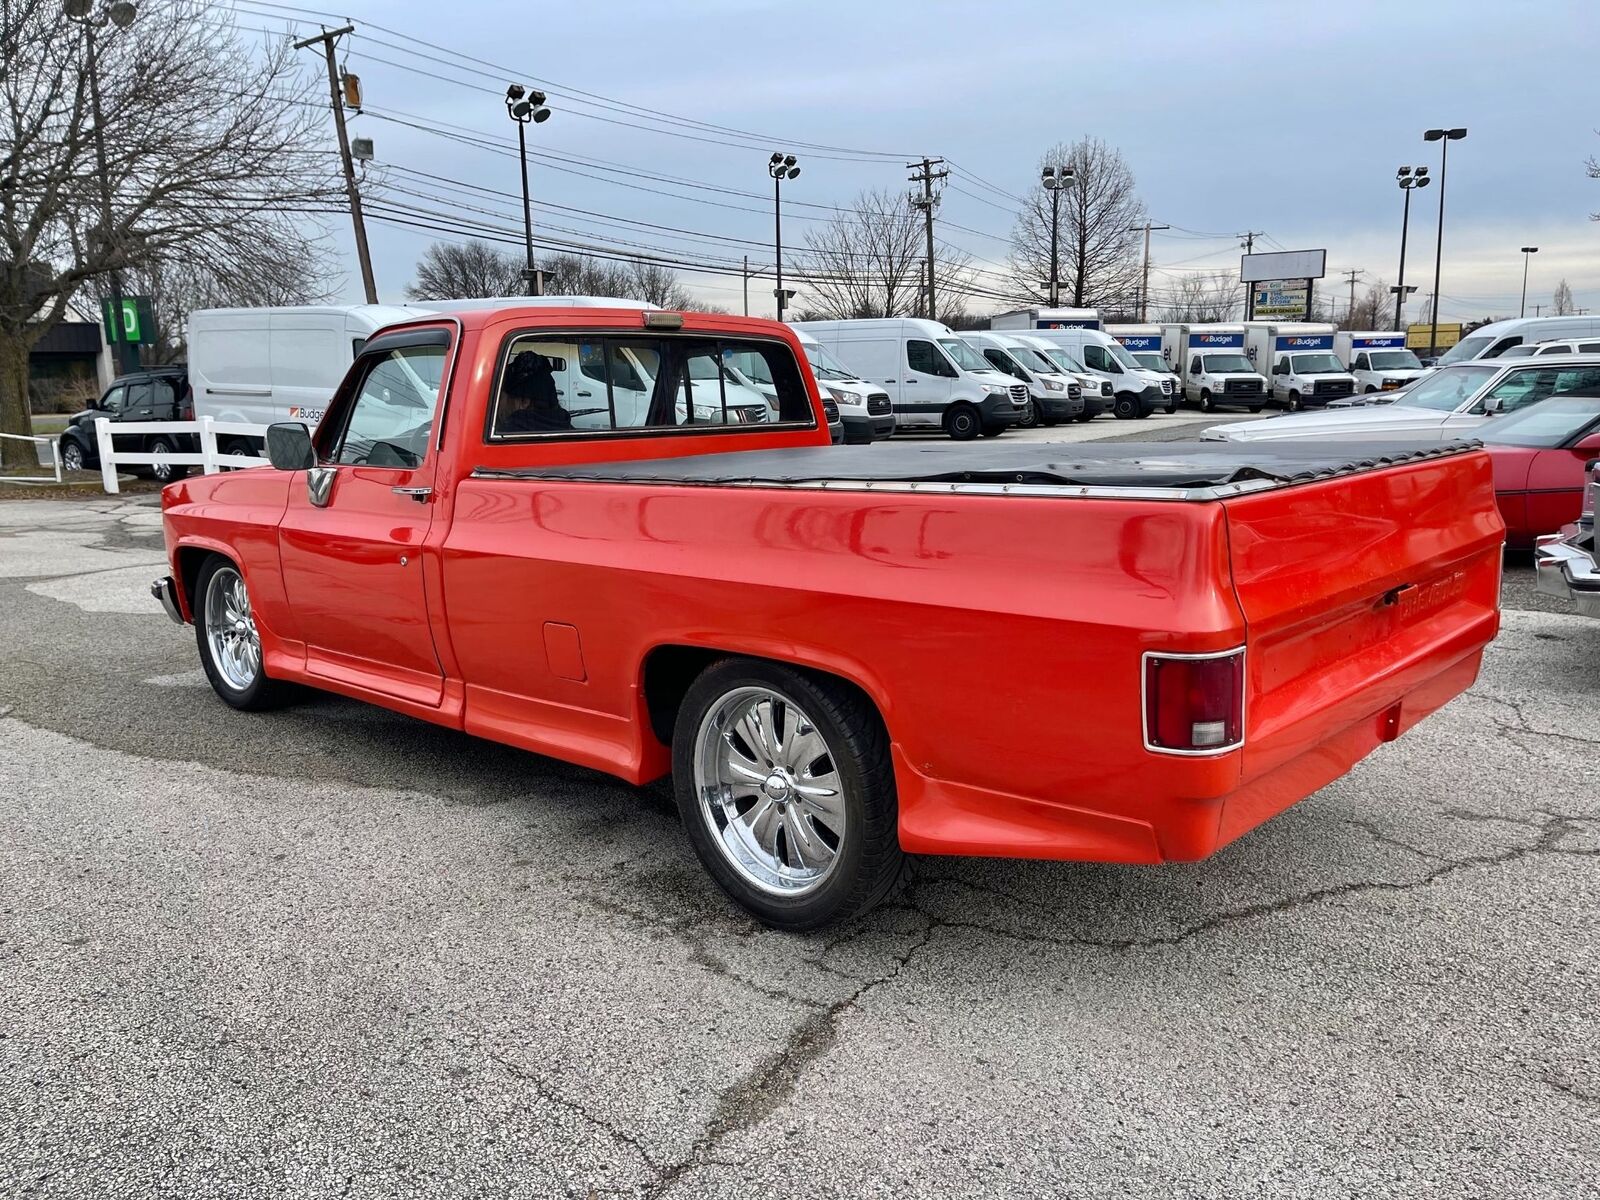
1298 358
1210 360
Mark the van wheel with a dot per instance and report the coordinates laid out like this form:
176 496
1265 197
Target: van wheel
994 430
1205 400
1084 417
961 422
1048 422
1293 404
164 472
1030 416
785 786
1127 407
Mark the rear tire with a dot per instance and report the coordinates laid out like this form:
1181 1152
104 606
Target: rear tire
230 647
961 422
784 782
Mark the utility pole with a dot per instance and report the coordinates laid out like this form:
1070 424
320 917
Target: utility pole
327 37
1144 284
1354 274
927 202
1536 309
747 285
1247 243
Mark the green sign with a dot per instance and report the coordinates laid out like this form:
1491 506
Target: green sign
137 327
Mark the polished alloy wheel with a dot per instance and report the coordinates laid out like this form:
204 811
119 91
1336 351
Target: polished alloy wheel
770 791
231 629
72 457
161 469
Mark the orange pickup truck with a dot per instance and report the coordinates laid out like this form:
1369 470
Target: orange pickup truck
573 531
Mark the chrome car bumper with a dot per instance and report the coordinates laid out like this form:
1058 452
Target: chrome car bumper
166 591
1568 571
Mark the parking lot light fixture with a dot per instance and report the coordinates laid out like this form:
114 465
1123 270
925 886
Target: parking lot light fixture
1056 180
525 106
1408 179
1444 137
1527 252
780 166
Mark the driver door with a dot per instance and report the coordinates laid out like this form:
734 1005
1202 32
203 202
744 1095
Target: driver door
351 539
928 380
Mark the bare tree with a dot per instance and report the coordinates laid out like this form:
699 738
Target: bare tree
448 271
1203 297
1591 167
214 156
1561 304
866 262
1099 249
657 284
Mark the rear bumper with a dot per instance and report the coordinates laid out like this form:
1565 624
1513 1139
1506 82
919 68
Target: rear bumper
166 591
1568 571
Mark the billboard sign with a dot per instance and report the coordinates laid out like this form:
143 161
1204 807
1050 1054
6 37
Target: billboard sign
1283 264
1287 299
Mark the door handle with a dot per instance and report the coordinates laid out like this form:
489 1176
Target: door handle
419 494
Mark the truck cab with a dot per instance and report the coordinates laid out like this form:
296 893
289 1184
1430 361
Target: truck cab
1214 367
1299 360
1379 361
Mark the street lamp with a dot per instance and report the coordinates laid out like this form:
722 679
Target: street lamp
1056 180
780 166
1522 310
1407 178
119 15
522 106
1444 137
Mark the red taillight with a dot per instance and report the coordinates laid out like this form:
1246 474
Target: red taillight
1194 705
186 406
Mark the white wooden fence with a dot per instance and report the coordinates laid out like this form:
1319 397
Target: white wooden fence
46 446
207 429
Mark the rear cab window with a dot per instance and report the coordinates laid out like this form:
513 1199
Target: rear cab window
616 384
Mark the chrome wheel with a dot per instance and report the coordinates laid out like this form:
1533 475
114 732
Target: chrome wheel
231 630
161 469
72 457
770 791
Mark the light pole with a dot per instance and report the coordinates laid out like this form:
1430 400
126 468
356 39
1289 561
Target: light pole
522 106
1056 180
780 166
1522 309
120 15
1408 178
1444 137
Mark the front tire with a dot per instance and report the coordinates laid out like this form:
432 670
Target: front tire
1030 416
1205 401
1084 417
230 645
994 430
1293 404
784 782
72 454
961 422
1128 407
165 472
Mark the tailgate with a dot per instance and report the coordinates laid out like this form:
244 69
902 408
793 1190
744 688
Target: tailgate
1368 599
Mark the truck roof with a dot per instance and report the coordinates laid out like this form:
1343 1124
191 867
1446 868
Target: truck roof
1128 470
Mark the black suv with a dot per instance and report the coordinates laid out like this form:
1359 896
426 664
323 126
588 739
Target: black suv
159 394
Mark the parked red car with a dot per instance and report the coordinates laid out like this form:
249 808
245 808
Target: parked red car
544 527
1541 457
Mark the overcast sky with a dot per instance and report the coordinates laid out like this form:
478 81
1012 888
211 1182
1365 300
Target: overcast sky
1289 119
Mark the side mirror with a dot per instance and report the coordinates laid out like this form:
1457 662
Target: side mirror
289 447
1492 405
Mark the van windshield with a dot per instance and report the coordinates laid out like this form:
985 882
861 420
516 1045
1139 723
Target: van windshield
1064 359
1223 364
1150 361
963 355
1031 359
1464 349
826 365
1394 360
1116 351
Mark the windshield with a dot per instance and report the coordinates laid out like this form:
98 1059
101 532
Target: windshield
1394 360
963 355
826 365
1031 359
1317 364
1118 352
1064 359
1150 360
1446 391
1223 364
1548 423
1464 349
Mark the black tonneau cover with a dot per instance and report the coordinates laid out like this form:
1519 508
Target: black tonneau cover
1176 465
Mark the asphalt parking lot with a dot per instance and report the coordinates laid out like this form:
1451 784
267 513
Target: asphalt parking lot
334 951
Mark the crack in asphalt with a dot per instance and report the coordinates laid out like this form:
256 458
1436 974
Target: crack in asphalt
1523 726
1570 1089
543 1087
1371 829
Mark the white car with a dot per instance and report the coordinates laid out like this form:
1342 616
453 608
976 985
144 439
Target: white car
1448 404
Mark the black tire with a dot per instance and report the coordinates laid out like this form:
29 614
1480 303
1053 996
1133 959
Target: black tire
263 692
1369 391
1084 417
1048 422
994 430
1205 400
869 861
1127 407
1293 403
962 423
1255 408
1030 416
73 456
164 472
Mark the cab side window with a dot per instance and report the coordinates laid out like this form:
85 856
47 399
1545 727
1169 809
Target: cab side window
1194 365
392 416
925 357
115 400
1003 363
1360 363
1094 357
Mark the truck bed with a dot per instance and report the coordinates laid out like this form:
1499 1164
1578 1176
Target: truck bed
1153 470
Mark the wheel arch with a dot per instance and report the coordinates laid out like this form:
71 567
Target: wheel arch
189 558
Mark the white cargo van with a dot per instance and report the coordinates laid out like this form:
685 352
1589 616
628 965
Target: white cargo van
1097 394
1212 362
934 379
1298 357
1494 339
1144 343
864 408
1378 359
1053 396
1138 392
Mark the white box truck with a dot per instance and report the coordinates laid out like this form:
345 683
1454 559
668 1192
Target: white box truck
1210 359
1298 358
1143 342
1045 318
1378 359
